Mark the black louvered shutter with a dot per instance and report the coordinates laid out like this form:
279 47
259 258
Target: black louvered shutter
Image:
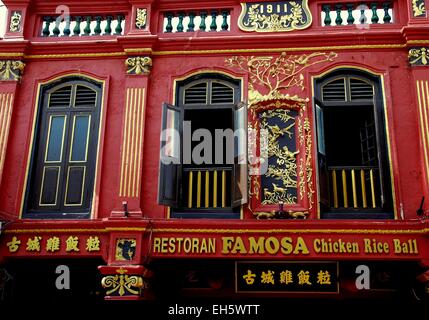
221 94
360 90
170 156
334 90
196 94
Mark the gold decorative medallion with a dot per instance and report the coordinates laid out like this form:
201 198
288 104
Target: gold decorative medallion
15 21
419 56
11 70
141 18
419 8
138 65
125 249
280 16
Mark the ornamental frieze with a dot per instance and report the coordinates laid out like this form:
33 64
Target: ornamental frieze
419 56
11 70
280 16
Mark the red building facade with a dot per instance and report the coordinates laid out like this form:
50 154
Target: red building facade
333 176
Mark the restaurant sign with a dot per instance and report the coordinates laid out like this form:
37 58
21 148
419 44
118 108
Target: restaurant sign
275 276
286 245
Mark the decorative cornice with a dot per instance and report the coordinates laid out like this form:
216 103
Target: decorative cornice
419 56
149 51
11 70
138 65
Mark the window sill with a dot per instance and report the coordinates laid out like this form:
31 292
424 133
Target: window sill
357 215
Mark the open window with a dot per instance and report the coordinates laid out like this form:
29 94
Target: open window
240 155
353 166
203 160
170 159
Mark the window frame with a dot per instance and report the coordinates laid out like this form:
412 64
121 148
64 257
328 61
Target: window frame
379 111
93 139
179 101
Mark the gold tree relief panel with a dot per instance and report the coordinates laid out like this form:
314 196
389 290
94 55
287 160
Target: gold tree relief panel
272 78
281 16
276 105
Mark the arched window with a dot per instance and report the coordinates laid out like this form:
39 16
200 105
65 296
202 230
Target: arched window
202 167
62 171
354 172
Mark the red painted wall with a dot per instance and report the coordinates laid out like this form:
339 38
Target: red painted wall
405 149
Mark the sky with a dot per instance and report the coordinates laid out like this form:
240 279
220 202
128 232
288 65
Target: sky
2 19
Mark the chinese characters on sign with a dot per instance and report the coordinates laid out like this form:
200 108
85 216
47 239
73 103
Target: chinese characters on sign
51 244
287 277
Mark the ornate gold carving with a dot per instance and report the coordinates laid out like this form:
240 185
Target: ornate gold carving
138 65
277 74
125 249
270 79
285 168
11 70
254 185
15 21
298 214
141 18
291 215
275 16
308 165
264 215
419 8
301 140
419 56
122 284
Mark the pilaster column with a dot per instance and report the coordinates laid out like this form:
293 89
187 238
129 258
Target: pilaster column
419 61
132 140
10 75
140 17
16 17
